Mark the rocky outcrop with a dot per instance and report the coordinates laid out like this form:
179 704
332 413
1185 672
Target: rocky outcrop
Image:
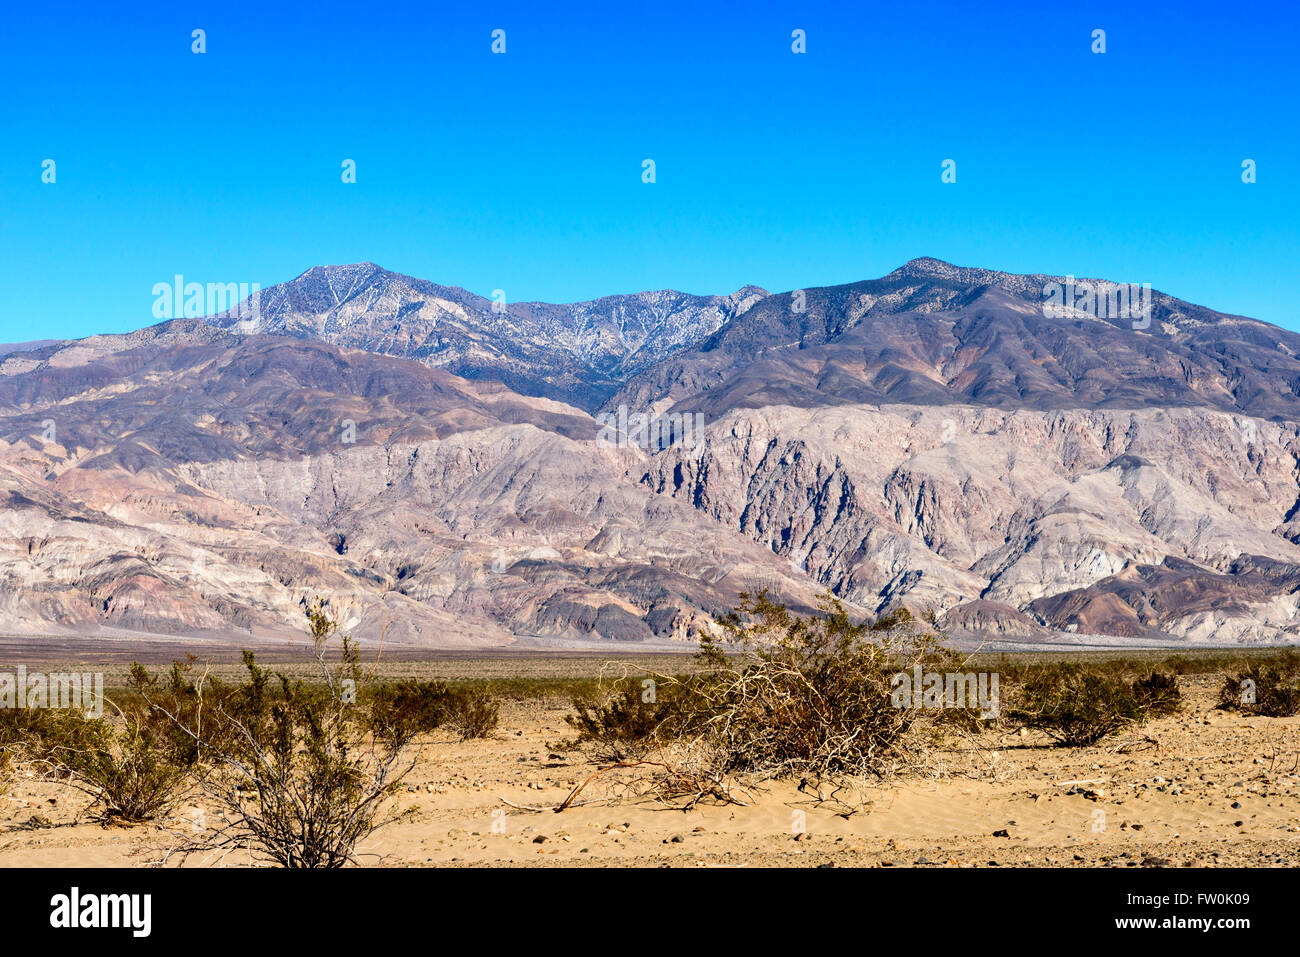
940 507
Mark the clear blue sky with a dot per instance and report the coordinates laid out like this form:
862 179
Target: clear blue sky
523 171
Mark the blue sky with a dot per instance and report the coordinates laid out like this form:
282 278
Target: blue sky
523 171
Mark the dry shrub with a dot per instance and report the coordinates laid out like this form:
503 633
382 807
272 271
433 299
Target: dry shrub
643 732
18 727
474 713
677 775
20 734
812 696
300 773
783 696
1273 685
1158 694
1079 706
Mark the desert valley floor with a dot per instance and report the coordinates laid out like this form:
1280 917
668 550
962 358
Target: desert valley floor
1203 788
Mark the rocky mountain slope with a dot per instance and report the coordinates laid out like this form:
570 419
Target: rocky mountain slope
184 480
1152 524
579 353
940 437
933 334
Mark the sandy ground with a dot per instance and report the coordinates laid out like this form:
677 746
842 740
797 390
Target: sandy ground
1218 790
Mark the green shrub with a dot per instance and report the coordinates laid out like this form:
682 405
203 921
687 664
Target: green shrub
302 772
128 762
132 761
411 707
630 719
402 710
129 765
474 713
1076 706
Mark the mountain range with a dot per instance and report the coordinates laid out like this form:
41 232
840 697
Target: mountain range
438 465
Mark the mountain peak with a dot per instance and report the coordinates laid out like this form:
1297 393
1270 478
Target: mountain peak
925 265
350 271
577 352
364 266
